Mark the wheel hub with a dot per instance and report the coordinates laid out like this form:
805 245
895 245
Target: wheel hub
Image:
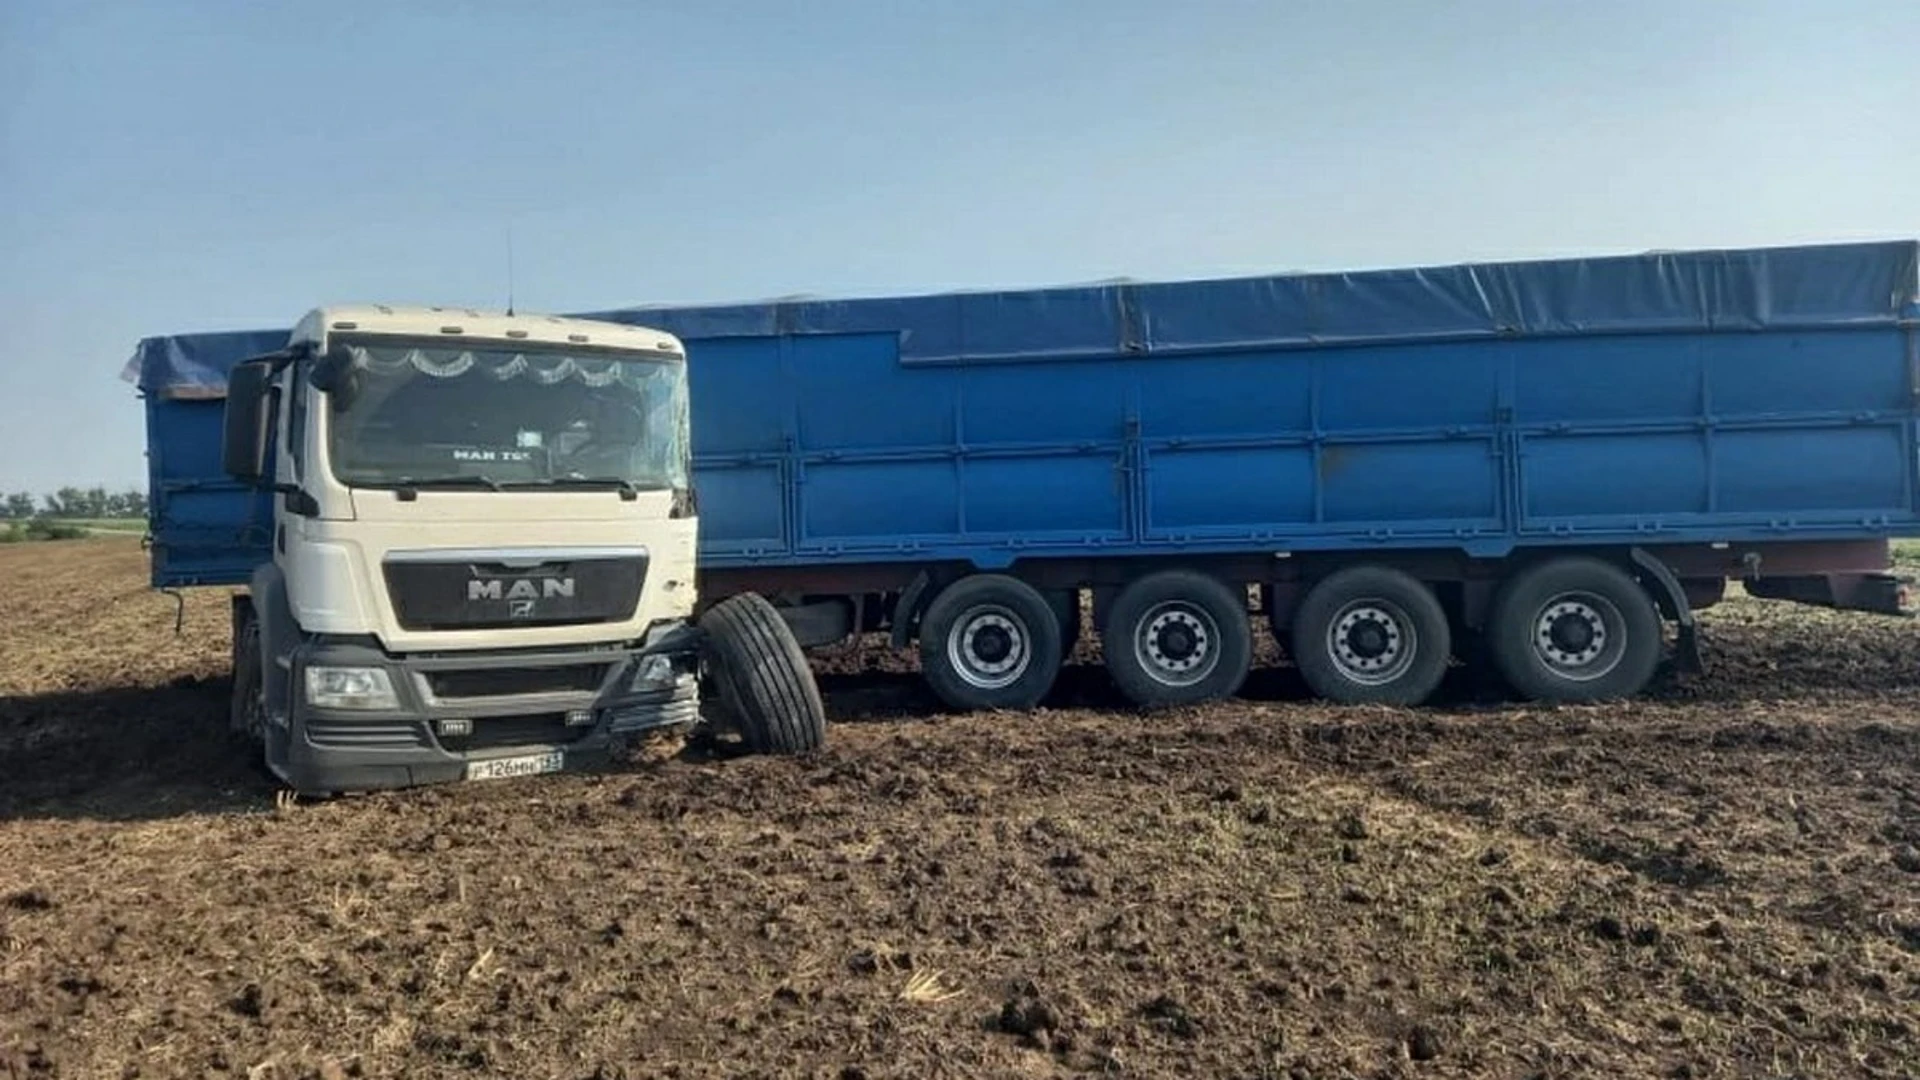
1572 634
1369 639
1371 642
989 649
1178 641
992 643
1176 644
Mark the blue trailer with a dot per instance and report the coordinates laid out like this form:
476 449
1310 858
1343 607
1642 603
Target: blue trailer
1545 459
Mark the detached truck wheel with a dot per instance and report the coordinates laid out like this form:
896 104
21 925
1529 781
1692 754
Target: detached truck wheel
763 677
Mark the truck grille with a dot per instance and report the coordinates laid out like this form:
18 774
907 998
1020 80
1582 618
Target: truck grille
503 682
463 595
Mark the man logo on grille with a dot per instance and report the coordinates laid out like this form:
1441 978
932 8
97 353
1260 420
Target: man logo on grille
520 589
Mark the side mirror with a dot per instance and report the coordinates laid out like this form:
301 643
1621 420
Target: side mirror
244 442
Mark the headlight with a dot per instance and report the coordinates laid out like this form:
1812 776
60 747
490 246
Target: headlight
350 688
653 673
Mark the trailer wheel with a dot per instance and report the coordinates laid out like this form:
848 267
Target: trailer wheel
1574 630
1178 637
990 641
762 674
1371 635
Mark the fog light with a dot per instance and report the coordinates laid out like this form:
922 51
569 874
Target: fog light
653 673
454 727
579 717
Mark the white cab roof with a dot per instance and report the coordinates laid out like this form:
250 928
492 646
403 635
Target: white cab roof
468 322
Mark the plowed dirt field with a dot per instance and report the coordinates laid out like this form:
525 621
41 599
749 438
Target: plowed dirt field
1722 880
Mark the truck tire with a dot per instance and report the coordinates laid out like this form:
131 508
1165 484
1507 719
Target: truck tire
990 641
1178 637
763 677
1574 630
1371 635
247 708
249 720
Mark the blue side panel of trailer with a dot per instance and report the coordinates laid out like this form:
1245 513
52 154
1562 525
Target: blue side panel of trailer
1764 394
844 454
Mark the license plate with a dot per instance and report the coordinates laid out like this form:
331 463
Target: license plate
525 765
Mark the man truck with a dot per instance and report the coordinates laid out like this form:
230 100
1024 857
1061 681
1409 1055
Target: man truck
1547 467
478 550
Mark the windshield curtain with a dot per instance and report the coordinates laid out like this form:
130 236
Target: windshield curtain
416 415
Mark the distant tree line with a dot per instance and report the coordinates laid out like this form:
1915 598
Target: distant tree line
72 502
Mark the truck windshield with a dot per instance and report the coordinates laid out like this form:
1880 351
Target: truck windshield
417 415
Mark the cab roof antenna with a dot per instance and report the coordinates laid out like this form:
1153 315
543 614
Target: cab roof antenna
509 270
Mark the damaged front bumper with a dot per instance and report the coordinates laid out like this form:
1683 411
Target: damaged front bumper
360 718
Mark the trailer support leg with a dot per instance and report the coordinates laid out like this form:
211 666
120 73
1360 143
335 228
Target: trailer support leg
1673 598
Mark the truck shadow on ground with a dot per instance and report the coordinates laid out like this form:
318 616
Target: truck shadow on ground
125 753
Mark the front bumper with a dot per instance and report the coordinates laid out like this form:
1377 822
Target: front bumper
460 709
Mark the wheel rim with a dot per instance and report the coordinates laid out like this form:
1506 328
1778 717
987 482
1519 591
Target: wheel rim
989 648
1580 636
1177 644
1372 642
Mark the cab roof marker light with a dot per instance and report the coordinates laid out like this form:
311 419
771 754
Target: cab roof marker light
450 330
345 325
516 333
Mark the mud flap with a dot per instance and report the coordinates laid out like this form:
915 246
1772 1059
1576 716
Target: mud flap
906 611
1673 600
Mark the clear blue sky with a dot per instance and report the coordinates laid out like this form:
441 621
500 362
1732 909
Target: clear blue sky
169 167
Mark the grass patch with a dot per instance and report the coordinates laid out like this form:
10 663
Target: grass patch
1906 554
112 525
17 532
42 528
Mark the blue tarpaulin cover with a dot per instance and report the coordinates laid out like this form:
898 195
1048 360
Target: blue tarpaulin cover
1826 286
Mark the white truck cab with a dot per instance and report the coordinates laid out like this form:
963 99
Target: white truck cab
484 540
